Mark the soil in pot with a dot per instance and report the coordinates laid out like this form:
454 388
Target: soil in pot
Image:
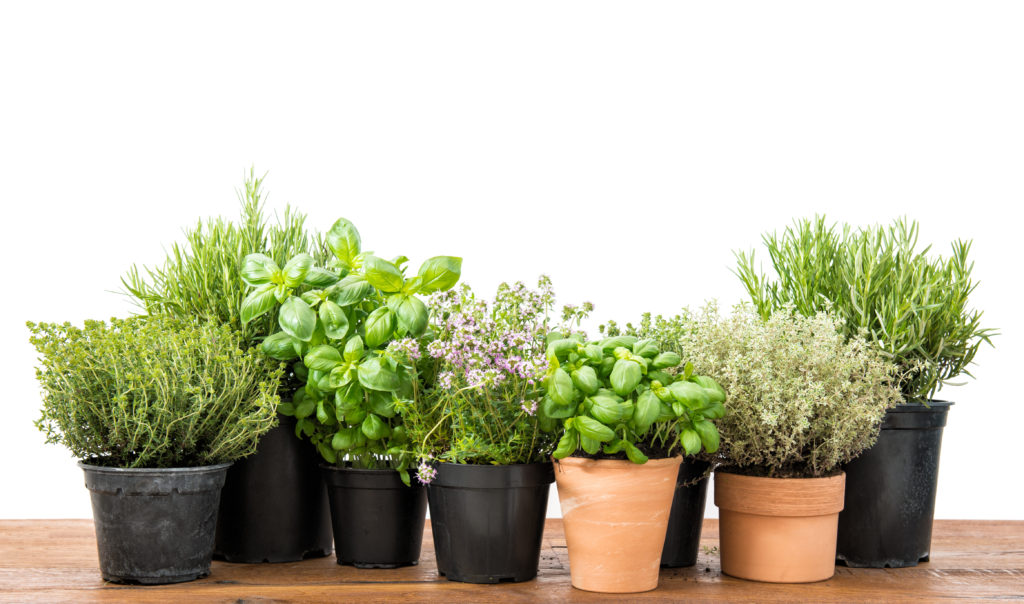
890 493
778 530
274 504
488 520
154 526
682 539
615 515
377 520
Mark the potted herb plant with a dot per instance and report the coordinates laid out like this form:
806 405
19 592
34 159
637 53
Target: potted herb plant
339 339
803 400
619 407
484 455
913 307
686 519
274 503
156 409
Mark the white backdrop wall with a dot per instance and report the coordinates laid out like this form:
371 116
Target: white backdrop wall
623 148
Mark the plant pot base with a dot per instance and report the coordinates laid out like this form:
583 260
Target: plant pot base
168 580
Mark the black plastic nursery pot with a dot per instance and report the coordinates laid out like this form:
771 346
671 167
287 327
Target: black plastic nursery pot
890 491
377 520
154 526
274 505
682 540
488 520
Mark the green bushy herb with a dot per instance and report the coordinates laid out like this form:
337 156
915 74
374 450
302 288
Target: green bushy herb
910 305
803 398
153 392
201 279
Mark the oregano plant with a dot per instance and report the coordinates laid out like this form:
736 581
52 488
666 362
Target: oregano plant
344 326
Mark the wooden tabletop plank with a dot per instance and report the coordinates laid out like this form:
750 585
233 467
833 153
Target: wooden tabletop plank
55 561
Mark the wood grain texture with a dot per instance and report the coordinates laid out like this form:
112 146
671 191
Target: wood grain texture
55 561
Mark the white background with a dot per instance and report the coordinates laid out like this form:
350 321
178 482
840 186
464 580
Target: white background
623 148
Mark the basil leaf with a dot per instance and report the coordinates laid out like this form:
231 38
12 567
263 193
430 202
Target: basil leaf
320 277
258 302
374 427
297 319
412 315
374 376
382 274
279 346
666 360
626 376
691 441
354 349
634 454
591 428
708 435
549 408
295 270
585 378
590 445
350 290
334 320
560 387
380 327
323 358
716 394
648 408
258 269
439 273
690 394
567 445
343 239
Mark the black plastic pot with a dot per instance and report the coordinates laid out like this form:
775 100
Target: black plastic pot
274 505
890 491
488 521
682 539
154 526
378 521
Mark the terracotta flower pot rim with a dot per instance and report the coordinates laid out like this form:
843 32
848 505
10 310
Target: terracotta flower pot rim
623 463
791 497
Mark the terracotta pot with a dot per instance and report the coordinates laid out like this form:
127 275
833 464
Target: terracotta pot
615 514
779 530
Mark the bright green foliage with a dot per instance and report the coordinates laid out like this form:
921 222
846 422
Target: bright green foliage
803 398
201 278
153 392
338 333
620 396
912 306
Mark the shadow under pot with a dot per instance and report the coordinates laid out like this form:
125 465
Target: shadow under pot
682 539
615 514
890 495
488 520
377 520
778 530
274 505
154 526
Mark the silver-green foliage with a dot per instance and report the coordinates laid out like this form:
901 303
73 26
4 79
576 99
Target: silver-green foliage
201 279
911 305
153 392
802 398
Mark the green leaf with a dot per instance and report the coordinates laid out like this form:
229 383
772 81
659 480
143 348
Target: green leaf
327 453
334 320
604 412
648 407
258 302
666 360
343 239
590 445
708 434
297 319
353 289
634 454
382 274
380 327
439 273
320 277
403 474
354 349
374 427
549 408
323 358
691 441
348 397
257 269
279 346
305 408
591 428
567 445
413 285
690 394
345 439
382 403
594 353
295 269
412 313
560 387
617 341
614 446
645 348
374 376
585 378
321 413
716 394
626 376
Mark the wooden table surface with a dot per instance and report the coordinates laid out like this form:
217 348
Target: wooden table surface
55 561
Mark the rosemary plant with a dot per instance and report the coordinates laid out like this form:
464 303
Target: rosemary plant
153 392
911 305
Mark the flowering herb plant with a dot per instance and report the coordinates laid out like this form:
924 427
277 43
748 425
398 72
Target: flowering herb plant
620 398
343 335
485 364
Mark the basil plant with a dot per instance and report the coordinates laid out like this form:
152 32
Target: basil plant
622 395
336 324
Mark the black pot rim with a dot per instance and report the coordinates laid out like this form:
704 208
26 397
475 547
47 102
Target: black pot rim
492 476
359 478
912 407
152 471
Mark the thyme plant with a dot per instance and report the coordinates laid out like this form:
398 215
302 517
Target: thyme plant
803 397
911 305
153 392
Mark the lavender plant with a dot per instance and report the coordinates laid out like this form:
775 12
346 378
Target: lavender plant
485 363
340 335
